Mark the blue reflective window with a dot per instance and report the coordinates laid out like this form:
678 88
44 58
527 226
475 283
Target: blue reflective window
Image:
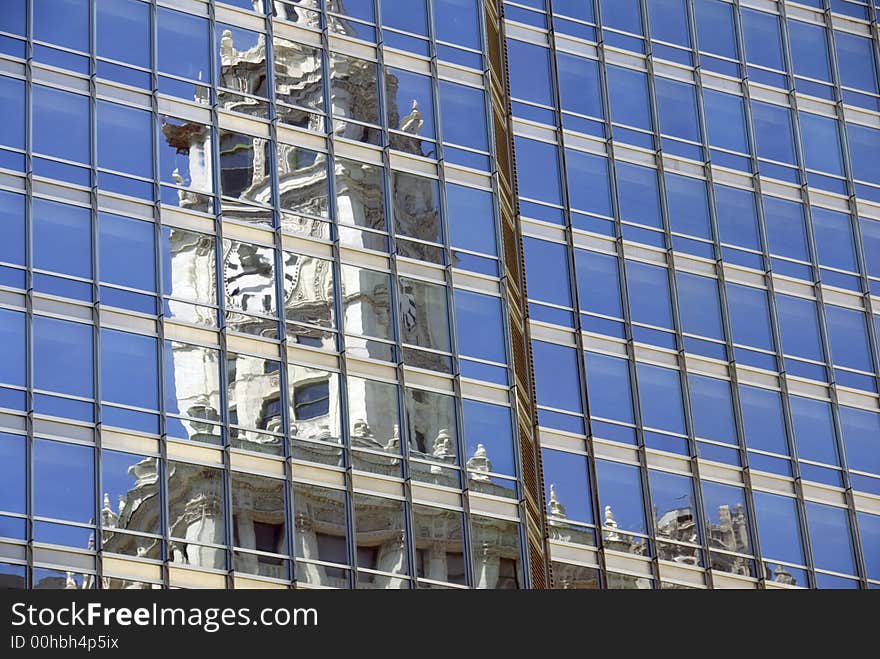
749 316
622 15
834 239
863 143
471 217
589 187
871 240
737 217
763 39
12 240
598 279
715 27
458 21
547 271
12 101
529 67
407 15
855 60
62 236
763 419
861 436
726 120
799 327
64 481
720 504
660 398
537 171
568 474
404 89
61 124
62 22
774 135
712 408
183 46
649 297
123 31
63 356
830 538
628 90
688 205
813 429
129 369
779 528
786 229
609 387
579 85
12 347
14 17
581 9
480 326
669 21
848 334
869 531
620 489
672 498
677 104
821 138
125 139
699 305
13 470
639 194
557 383
127 252
463 115
809 50
489 425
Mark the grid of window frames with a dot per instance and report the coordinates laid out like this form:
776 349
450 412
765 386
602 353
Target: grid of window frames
700 197
251 326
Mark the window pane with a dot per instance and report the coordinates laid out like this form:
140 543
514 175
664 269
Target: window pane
63 356
649 297
861 430
726 517
620 490
557 383
749 316
129 369
431 427
830 538
471 218
688 205
489 426
120 476
799 327
669 21
726 121
566 476
197 397
609 387
821 137
64 481
529 72
425 314
773 132
12 238
598 283
834 239
622 15
712 409
127 252
763 39
869 529
125 139
61 124
763 419
480 326
374 413
547 271
62 238
699 305
779 528
863 152
716 28
809 50
849 338
183 48
855 59
254 393
629 97
737 217
12 97
537 172
579 89
672 497
325 539
314 403
463 115
589 187
409 102
678 109
813 430
13 355
457 21
360 194
639 194
786 230
62 22
13 469
123 31
660 398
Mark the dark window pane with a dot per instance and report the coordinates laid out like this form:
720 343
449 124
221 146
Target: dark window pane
458 21
589 187
629 97
763 39
688 205
786 230
678 109
749 316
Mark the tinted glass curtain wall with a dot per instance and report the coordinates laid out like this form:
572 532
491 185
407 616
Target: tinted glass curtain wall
264 323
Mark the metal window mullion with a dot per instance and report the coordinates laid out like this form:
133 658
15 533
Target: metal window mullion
221 304
339 311
162 462
285 389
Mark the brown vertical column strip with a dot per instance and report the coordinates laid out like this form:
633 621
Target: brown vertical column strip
515 285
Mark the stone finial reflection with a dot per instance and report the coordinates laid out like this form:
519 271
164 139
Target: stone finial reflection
557 509
479 464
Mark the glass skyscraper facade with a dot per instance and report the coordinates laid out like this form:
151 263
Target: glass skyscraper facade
439 293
